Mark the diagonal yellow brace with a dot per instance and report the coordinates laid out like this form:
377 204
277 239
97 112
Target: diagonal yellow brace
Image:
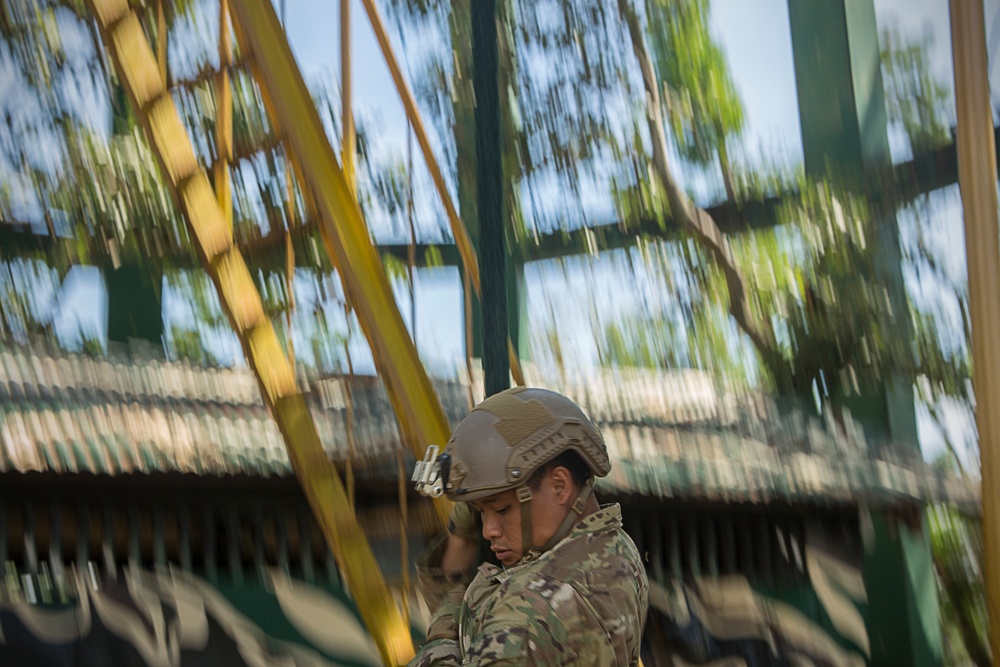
342 227
139 72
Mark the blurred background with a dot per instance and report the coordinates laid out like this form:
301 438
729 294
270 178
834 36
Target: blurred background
731 230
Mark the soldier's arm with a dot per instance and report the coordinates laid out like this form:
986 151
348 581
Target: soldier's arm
463 541
438 653
459 555
444 572
441 647
450 560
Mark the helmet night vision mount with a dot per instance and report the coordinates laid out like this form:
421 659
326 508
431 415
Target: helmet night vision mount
430 476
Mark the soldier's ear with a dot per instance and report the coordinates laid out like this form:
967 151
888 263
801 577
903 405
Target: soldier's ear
562 483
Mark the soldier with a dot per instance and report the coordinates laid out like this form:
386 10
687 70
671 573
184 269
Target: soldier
571 588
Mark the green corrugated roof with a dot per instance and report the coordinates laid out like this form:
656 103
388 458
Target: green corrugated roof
669 434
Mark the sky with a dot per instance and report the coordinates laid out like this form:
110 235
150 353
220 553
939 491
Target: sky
755 37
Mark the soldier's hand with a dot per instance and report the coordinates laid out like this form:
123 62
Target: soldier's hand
463 534
464 522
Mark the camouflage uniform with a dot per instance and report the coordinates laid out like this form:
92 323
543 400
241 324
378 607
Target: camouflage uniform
583 602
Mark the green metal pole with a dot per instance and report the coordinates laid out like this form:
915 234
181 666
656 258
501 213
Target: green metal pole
134 304
489 177
844 137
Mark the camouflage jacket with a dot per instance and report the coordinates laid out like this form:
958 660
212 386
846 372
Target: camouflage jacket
583 602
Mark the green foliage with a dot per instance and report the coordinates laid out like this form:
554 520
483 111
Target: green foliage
187 345
637 193
69 167
92 346
842 328
395 267
813 277
87 173
561 69
703 106
637 342
199 293
957 546
27 287
914 98
572 111
433 256
767 177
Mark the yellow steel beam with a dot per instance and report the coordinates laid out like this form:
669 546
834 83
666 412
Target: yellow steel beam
342 227
462 242
977 180
138 70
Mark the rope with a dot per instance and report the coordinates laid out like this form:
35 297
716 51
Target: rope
404 548
411 251
467 290
349 408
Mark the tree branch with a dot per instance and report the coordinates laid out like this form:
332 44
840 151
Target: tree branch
934 409
697 220
978 651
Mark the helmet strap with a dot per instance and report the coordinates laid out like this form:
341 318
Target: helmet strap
524 498
532 552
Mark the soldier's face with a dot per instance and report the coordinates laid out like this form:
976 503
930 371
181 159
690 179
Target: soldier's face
501 515
502 525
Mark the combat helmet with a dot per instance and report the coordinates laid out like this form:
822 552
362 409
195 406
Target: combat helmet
503 441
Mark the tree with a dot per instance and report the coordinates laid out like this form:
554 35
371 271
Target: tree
704 110
914 98
78 174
